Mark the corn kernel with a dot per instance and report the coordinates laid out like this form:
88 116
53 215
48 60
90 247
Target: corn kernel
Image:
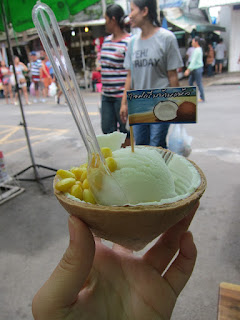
95 160
107 152
79 182
76 191
77 172
95 176
65 174
65 184
88 196
111 163
85 184
84 175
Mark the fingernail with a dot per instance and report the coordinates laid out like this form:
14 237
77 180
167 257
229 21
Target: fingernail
71 228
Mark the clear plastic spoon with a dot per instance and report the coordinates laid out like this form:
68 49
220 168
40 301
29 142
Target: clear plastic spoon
53 43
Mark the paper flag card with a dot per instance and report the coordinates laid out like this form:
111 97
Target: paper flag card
172 105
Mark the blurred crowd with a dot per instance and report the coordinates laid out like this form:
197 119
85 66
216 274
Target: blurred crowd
35 79
214 56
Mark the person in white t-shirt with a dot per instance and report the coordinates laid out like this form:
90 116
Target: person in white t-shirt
152 62
220 54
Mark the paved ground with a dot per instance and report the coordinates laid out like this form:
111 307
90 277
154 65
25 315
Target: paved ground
33 226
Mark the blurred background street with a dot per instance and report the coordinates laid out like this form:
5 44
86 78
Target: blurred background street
33 225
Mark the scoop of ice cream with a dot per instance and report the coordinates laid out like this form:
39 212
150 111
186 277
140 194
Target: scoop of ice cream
111 140
142 175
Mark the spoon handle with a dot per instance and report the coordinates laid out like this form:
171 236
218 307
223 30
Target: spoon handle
53 43
52 40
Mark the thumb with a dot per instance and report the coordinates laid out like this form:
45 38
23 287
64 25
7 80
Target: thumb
63 286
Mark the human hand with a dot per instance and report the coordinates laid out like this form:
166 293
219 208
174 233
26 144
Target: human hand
124 112
187 72
93 281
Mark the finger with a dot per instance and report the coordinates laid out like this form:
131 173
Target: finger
165 248
63 286
118 248
181 269
97 239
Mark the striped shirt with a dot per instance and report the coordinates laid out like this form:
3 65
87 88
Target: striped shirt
112 70
35 67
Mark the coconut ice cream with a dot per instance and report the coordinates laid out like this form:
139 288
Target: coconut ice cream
159 194
142 175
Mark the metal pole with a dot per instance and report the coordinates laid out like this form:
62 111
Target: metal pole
103 7
18 91
83 59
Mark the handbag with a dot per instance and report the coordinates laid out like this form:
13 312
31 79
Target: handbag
52 89
32 89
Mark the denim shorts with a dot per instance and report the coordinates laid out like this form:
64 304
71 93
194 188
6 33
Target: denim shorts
110 115
218 61
151 134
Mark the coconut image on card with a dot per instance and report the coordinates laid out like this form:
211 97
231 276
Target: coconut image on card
165 110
